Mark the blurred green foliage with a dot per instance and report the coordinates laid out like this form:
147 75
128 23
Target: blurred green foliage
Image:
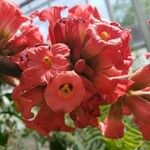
124 12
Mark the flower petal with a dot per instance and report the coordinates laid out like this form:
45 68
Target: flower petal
141 78
112 128
143 127
60 49
84 11
65 92
11 18
47 121
52 14
139 107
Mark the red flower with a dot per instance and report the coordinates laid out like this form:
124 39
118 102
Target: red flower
65 92
49 63
30 36
26 100
86 66
87 113
139 107
70 31
46 121
107 42
52 14
11 18
134 94
138 102
113 126
85 11
103 36
143 127
141 78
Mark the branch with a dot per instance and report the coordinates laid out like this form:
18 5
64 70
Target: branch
9 80
9 68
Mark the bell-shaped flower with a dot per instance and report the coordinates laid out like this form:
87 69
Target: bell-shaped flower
103 36
143 127
113 127
30 36
25 100
42 63
11 19
47 120
86 12
65 92
139 107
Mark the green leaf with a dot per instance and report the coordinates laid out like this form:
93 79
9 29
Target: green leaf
3 139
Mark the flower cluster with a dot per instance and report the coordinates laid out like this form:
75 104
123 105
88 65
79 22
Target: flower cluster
83 66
